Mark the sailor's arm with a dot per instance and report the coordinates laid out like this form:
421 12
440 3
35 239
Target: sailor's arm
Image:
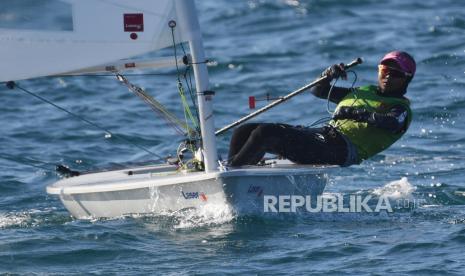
322 89
395 120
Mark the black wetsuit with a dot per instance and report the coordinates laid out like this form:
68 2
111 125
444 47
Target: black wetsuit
304 145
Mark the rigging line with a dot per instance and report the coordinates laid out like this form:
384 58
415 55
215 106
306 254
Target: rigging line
170 118
175 51
190 63
190 88
156 106
320 121
329 97
13 85
184 50
355 78
187 112
355 96
331 89
326 119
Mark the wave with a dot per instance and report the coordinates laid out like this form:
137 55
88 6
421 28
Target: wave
33 218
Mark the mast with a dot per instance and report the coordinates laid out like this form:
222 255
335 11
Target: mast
187 16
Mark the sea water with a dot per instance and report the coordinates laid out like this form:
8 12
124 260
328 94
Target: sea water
257 47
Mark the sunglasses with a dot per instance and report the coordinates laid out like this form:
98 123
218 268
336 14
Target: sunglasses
393 72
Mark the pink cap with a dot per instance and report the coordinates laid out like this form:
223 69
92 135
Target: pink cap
403 59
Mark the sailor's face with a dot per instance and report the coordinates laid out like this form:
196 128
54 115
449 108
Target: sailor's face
391 79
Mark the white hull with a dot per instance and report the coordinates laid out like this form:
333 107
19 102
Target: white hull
161 189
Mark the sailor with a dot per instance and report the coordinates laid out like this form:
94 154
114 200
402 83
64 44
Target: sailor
367 120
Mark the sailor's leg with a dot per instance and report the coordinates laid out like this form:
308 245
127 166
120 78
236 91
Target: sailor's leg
315 146
300 145
263 138
239 138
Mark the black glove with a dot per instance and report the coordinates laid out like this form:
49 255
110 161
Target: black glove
352 113
335 71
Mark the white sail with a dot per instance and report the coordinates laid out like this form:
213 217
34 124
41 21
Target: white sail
98 32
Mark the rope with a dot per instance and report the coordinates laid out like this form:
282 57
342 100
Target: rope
187 111
156 106
320 121
187 72
193 136
327 119
12 85
338 123
189 85
329 97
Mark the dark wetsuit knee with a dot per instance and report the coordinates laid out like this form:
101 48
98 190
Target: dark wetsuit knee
250 142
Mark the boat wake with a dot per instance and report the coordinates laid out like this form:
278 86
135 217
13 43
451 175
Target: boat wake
435 194
437 202
209 215
33 218
398 189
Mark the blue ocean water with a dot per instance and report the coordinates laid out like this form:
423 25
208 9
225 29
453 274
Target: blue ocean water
259 47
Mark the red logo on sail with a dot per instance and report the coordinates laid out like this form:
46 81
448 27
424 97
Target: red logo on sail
134 22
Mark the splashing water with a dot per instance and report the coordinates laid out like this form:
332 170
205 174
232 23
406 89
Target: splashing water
11 220
210 214
398 189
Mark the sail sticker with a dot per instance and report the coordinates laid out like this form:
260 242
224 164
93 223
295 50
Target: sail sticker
133 22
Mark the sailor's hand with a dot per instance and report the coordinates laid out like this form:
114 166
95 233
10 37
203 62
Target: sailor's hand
351 113
344 112
335 71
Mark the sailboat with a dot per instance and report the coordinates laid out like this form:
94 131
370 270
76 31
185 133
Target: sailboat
101 36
